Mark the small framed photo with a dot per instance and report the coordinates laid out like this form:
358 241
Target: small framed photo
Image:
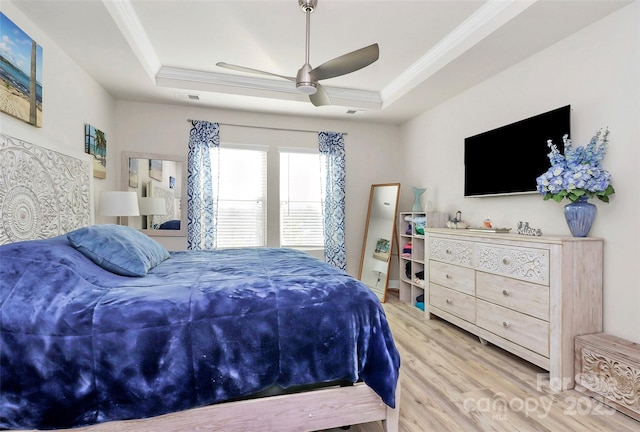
172 182
155 169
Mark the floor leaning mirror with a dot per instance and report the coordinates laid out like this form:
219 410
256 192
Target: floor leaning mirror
379 238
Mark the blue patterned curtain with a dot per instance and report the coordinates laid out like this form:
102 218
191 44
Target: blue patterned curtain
331 147
204 138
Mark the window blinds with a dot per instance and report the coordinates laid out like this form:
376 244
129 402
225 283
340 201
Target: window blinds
242 201
300 200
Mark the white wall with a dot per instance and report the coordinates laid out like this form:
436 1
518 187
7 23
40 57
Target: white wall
70 98
597 71
371 152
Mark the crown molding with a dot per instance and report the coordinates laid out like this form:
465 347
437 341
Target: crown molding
125 17
170 77
487 19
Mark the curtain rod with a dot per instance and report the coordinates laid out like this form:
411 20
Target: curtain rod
270 128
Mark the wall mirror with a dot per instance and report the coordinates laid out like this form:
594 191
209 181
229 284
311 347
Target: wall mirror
379 237
161 184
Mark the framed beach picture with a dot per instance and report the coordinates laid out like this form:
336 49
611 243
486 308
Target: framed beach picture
155 169
133 172
21 74
95 143
383 247
172 182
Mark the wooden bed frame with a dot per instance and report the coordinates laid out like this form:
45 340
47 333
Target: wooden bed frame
306 411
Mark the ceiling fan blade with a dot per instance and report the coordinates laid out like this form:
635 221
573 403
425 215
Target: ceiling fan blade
347 63
249 70
320 97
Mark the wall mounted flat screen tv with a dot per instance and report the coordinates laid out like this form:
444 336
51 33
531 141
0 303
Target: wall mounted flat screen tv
507 160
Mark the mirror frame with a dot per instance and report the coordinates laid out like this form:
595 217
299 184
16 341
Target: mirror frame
124 185
394 236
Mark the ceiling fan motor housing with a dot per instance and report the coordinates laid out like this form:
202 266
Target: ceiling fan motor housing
305 81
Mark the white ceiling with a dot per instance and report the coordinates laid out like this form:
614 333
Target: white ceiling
166 50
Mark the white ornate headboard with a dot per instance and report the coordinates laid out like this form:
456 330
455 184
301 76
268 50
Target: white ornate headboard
43 193
156 190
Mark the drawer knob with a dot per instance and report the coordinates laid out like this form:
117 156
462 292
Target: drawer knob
448 276
505 324
448 251
505 261
505 292
449 301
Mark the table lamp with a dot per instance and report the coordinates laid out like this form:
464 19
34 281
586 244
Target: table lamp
118 203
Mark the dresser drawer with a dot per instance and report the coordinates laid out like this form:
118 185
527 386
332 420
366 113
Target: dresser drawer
451 251
526 297
454 302
528 264
519 328
452 276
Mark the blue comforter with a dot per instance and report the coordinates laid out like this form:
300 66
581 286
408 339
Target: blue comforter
80 345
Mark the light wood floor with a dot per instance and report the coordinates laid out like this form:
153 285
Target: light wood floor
450 382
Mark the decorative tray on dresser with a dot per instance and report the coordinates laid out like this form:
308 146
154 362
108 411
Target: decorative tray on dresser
528 295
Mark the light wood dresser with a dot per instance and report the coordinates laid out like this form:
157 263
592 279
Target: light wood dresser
528 295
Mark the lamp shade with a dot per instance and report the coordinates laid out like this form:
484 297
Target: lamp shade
380 267
118 203
152 206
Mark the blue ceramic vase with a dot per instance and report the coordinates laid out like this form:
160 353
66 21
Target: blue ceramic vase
580 215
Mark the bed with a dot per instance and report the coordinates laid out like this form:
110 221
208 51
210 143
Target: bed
100 335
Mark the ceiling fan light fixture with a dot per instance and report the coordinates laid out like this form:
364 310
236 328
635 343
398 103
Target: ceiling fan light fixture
307 88
305 82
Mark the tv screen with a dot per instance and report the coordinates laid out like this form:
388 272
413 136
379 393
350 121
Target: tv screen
508 160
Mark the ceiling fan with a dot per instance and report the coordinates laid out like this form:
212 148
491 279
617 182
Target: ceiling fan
307 78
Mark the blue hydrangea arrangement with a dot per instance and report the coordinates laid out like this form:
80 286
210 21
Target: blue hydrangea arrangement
578 173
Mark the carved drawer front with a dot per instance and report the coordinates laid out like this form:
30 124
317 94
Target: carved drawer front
526 297
452 251
454 302
452 276
521 263
521 329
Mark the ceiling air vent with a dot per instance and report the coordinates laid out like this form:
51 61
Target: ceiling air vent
187 96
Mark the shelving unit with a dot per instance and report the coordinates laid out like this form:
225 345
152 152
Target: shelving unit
410 286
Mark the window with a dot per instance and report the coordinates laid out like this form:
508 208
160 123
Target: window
241 175
300 200
242 199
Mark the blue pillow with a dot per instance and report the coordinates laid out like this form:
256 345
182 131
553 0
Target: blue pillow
170 225
119 249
